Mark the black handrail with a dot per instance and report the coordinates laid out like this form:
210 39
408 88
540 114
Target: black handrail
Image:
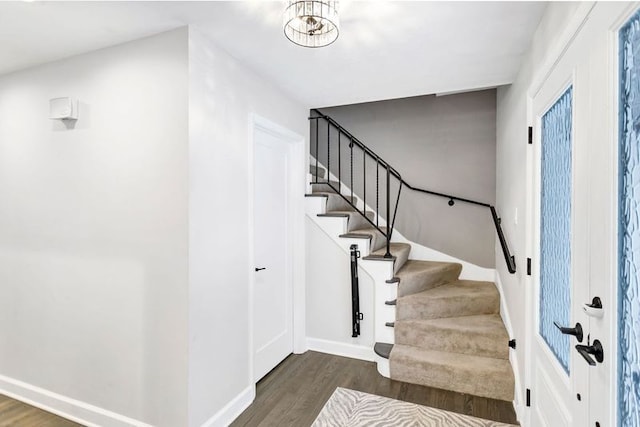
509 259
354 140
390 171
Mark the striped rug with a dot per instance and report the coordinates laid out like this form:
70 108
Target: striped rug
350 408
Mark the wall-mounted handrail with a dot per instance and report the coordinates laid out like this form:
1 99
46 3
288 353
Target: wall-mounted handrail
390 171
509 259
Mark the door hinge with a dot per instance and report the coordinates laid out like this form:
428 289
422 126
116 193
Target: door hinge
530 134
528 266
528 398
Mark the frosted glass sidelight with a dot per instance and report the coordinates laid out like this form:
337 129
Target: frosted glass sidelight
555 226
629 226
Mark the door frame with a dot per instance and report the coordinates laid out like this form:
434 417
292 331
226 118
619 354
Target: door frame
296 174
613 184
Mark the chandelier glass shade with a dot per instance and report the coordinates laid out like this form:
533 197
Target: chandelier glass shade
311 23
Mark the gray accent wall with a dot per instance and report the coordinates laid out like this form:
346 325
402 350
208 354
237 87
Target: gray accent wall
441 143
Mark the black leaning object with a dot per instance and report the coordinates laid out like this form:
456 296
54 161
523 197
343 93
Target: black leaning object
356 316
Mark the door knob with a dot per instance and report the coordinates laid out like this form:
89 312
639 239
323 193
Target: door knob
594 309
260 268
594 350
576 331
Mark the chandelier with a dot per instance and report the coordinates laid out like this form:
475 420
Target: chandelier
311 23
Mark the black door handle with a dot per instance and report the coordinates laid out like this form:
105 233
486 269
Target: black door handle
260 268
595 350
576 331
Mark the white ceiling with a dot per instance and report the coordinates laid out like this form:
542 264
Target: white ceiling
386 49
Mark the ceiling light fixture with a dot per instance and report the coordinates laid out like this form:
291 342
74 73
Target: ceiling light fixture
312 23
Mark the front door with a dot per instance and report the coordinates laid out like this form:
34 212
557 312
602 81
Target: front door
272 295
584 226
559 271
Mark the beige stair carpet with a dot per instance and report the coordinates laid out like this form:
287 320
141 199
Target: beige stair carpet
448 332
350 408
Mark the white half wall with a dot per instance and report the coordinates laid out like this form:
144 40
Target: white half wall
93 235
329 299
511 179
223 94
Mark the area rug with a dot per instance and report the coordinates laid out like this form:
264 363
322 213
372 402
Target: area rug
350 408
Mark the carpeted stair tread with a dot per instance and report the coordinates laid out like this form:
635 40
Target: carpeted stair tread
376 238
463 373
335 202
457 298
399 252
417 276
483 335
319 187
355 218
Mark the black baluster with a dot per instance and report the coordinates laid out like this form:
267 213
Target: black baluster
317 150
329 152
351 166
388 254
339 160
364 182
377 191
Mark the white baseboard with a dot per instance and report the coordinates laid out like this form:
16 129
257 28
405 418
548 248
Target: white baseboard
233 409
66 407
518 402
341 349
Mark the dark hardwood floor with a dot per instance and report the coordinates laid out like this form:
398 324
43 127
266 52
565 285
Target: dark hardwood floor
18 414
296 390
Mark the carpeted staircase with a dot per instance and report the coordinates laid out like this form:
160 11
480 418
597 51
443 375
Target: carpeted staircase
448 332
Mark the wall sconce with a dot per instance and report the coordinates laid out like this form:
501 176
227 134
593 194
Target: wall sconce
63 109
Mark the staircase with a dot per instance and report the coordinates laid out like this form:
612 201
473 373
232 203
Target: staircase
431 327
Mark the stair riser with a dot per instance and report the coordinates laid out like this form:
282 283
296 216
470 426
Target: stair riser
494 384
378 241
319 172
357 222
401 260
336 203
428 280
448 307
452 340
325 187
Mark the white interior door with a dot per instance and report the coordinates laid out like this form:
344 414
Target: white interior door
272 320
575 236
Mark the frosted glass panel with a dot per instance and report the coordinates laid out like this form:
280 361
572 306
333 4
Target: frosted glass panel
555 227
629 227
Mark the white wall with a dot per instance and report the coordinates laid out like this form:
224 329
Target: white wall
222 96
93 234
328 292
511 167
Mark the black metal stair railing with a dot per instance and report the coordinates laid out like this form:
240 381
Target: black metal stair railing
347 145
328 138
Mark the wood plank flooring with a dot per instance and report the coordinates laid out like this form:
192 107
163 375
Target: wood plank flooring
296 390
18 414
